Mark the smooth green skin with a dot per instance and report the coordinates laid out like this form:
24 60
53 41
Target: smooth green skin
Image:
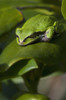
44 25
28 96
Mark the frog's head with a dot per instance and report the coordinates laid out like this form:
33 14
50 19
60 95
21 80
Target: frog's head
28 36
24 39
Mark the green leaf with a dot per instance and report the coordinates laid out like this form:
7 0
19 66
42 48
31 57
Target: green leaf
9 18
49 5
19 68
29 66
29 96
63 8
7 3
41 51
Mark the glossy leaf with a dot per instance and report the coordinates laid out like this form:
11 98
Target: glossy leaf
63 8
9 18
28 96
41 51
31 64
19 68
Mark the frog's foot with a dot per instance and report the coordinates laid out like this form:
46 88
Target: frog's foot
44 38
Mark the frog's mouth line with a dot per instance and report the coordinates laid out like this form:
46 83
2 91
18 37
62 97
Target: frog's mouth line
22 43
34 38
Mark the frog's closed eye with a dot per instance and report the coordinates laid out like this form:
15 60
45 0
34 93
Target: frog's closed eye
17 36
32 36
35 34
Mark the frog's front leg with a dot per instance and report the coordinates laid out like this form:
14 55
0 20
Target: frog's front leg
48 35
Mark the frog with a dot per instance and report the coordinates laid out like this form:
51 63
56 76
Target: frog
39 28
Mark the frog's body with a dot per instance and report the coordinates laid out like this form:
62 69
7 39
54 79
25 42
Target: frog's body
38 27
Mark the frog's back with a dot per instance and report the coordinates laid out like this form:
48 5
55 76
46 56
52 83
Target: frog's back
39 23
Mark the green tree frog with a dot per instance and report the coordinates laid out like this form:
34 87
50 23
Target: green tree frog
40 28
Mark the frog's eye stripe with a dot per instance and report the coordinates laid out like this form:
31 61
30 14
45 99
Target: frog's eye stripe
26 38
17 36
36 34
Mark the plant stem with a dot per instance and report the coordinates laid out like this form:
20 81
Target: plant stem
32 78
